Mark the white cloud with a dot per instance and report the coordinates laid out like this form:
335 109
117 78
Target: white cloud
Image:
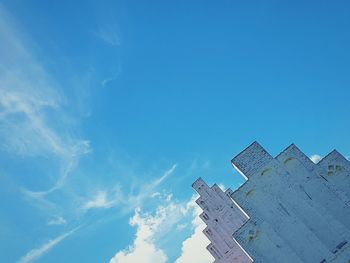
315 158
194 248
144 248
57 221
155 228
151 228
36 253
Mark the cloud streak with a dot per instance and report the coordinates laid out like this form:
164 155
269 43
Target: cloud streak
37 253
115 197
30 99
57 221
101 200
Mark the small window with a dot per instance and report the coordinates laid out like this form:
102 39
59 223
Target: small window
205 216
209 232
330 169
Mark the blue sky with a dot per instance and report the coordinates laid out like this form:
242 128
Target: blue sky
109 110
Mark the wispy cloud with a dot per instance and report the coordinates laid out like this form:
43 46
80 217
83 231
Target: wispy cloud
109 34
31 112
36 253
158 181
57 221
127 202
113 76
101 200
27 91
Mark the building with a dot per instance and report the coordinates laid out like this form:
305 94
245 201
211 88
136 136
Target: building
288 210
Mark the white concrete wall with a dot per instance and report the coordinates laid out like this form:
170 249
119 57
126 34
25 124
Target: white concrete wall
298 211
223 218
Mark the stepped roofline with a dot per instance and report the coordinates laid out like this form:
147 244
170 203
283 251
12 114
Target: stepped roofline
251 159
284 212
292 151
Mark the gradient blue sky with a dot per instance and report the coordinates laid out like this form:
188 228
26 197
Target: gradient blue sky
109 110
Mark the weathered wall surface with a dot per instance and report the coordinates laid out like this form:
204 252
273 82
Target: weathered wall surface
293 210
222 218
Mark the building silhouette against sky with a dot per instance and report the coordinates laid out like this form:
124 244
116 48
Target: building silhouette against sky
288 210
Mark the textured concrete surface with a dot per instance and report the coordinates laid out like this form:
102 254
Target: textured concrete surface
288 210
